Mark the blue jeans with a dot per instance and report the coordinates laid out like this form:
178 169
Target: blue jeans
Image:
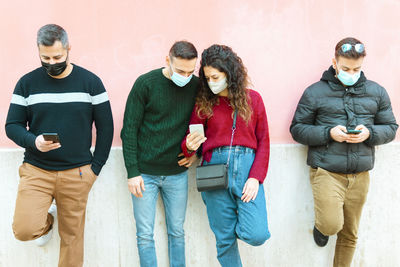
174 192
229 217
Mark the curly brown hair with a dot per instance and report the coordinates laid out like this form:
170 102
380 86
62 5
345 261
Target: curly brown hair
223 59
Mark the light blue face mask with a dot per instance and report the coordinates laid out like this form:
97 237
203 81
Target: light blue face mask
180 80
348 79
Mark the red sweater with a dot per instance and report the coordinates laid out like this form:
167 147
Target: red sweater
253 135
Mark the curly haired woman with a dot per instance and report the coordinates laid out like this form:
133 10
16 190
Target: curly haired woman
238 211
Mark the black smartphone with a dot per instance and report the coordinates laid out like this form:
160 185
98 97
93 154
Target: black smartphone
353 131
51 137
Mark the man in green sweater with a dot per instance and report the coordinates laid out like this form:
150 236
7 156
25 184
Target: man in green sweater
156 118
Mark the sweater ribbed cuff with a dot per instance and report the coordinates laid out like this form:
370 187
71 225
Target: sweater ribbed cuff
133 172
96 168
255 176
31 140
185 151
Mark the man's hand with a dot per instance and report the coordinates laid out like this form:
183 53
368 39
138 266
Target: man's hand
338 133
194 140
45 146
136 186
358 138
187 162
250 189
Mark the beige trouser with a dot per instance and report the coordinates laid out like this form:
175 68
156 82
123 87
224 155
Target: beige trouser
36 190
338 202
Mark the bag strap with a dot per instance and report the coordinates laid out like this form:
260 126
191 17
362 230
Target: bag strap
233 132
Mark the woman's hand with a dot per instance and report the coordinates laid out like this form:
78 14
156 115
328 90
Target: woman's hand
250 189
194 141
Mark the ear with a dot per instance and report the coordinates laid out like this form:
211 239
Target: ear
168 61
69 48
334 62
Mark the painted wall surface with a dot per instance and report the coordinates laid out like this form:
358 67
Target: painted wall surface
110 239
285 44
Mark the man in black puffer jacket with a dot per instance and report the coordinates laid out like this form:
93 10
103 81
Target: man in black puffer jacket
341 118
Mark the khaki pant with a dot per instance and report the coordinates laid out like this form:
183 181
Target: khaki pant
338 202
70 189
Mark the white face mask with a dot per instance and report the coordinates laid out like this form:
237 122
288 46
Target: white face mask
218 87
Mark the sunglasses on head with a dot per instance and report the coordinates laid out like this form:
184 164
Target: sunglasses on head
359 48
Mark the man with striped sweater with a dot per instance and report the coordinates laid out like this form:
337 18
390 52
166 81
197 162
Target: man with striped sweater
65 99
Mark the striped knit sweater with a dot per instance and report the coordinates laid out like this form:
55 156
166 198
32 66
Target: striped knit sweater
67 106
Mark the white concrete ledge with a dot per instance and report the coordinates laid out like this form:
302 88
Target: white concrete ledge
110 230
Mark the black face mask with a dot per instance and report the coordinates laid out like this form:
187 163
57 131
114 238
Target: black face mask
55 69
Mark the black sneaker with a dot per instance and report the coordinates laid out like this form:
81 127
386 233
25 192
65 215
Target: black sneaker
320 239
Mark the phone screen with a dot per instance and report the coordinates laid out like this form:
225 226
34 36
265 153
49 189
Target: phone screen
51 137
353 131
197 128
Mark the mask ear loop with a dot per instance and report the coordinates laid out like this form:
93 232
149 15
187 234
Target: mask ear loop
170 70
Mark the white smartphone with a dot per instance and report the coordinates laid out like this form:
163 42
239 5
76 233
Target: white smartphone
197 128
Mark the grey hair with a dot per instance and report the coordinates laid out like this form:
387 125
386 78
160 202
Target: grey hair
50 33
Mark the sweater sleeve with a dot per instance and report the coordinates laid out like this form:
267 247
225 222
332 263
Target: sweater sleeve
384 128
303 129
194 119
133 117
259 168
17 120
103 121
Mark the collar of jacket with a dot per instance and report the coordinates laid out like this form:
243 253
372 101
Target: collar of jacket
358 88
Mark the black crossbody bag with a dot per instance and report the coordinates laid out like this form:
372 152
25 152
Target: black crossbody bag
215 176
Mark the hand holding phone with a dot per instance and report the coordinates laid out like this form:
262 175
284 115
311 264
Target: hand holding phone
196 137
358 135
47 142
51 137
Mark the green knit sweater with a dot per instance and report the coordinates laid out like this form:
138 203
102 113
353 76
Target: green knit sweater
156 118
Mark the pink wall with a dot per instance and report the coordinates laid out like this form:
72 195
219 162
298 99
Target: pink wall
286 45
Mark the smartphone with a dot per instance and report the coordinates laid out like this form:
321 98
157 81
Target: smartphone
353 131
197 128
51 137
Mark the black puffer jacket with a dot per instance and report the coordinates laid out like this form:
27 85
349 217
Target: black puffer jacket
328 103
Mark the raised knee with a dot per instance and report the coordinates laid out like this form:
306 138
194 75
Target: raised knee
329 227
329 223
256 238
24 231
260 239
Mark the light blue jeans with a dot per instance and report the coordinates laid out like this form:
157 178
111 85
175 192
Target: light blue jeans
174 193
229 217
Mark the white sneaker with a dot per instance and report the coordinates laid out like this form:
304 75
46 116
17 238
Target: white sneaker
44 239
53 210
